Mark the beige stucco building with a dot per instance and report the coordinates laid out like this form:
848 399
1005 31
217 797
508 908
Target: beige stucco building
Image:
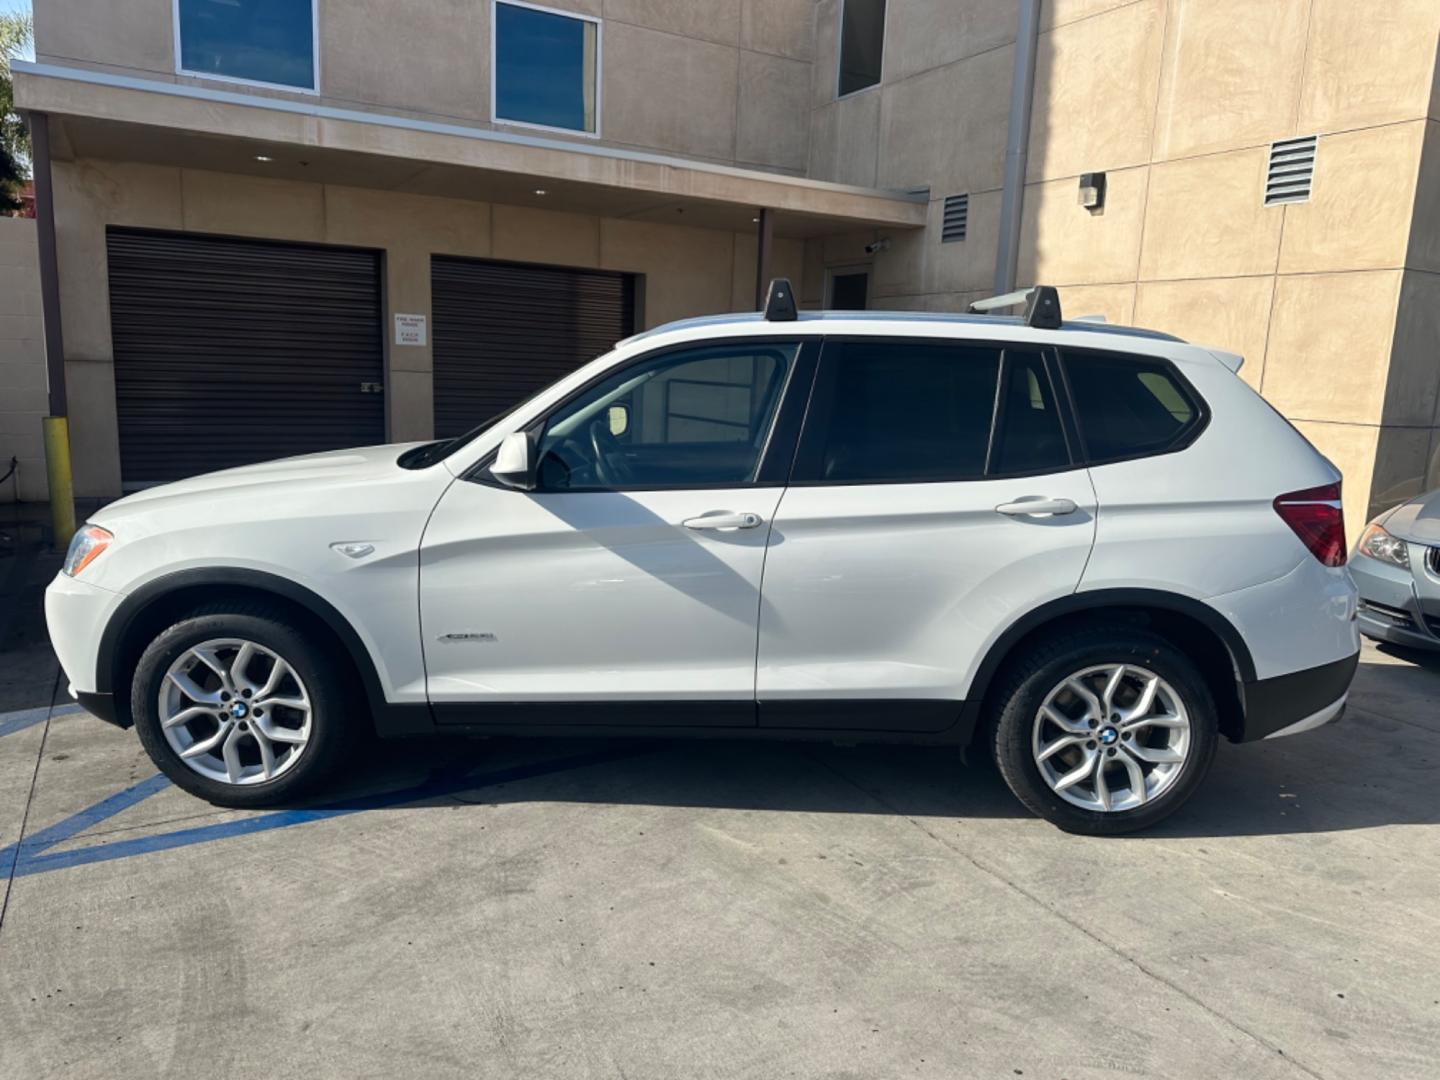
688 133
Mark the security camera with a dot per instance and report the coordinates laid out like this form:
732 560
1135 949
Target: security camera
878 246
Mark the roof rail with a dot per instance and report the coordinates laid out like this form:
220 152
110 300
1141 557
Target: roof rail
780 301
1042 306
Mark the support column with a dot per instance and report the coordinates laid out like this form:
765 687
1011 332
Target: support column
57 434
764 249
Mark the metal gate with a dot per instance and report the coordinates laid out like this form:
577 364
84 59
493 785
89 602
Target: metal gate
504 330
228 351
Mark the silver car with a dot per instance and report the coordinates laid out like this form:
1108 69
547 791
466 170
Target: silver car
1396 565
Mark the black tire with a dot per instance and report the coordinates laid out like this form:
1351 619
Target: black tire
1029 678
336 721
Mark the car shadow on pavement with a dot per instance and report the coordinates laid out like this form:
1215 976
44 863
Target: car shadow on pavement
1367 771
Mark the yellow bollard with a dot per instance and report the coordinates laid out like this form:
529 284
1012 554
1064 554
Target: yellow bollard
57 473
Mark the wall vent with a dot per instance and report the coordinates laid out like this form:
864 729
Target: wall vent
1292 167
957 218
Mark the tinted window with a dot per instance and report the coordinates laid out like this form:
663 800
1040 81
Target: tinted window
1028 437
689 419
269 41
862 44
545 68
903 412
1129 407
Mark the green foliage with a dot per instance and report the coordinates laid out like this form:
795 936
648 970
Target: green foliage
15 32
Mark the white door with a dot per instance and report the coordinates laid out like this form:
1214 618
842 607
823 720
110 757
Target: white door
910 537
631 573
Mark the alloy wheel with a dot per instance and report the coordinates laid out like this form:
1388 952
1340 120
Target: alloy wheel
1111 737
235 711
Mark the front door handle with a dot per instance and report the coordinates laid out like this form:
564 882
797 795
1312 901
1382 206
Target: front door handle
1036 504
722 519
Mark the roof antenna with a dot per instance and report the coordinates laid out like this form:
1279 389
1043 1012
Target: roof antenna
780 301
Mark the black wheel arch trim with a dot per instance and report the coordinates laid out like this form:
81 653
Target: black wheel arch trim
1100 599
390 718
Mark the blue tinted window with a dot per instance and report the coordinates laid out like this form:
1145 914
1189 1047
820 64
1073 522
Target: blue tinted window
544 68
271 41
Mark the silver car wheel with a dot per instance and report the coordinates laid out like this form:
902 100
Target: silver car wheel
1111 737
235 711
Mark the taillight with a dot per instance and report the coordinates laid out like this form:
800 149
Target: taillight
1316 518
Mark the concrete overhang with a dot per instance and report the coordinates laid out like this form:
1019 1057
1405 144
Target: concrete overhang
103 114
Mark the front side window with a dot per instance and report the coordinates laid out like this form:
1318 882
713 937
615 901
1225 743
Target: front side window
260 41
1129 407
695 418
901 412
546 67
862 44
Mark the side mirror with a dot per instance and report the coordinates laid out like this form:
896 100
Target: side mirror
514 462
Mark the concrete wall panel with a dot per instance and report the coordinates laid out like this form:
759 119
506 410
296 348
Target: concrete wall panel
1226 313
1361 205
667 91
1207 218
1368 63
24 396
526 234
947 127
1324 369
137 34
687 271
713 20
1062 243
435 56
924 34
1095 88
1232 71
782 27
231 205
773 113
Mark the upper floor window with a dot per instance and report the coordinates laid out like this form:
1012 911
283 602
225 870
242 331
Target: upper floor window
862 44
545 67
269 42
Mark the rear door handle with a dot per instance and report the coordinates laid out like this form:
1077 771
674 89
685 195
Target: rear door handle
722 519
1036 504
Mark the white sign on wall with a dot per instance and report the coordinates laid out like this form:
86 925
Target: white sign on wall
409 329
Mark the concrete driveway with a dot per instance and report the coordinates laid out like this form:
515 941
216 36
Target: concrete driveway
609 909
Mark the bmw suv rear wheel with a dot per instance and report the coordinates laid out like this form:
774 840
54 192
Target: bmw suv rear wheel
1104 732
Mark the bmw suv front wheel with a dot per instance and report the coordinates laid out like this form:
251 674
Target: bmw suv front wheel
239 707
1104 731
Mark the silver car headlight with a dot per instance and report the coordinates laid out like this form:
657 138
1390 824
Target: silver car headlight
86 546
1379 544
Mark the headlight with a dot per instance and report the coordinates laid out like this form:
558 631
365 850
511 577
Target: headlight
85 548
1379 544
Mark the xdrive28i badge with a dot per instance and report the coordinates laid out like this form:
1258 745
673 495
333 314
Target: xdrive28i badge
470 636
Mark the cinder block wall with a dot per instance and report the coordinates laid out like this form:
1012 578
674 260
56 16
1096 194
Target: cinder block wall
23 397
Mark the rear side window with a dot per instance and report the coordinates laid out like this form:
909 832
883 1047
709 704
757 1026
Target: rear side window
1129 408
1028 435
906 412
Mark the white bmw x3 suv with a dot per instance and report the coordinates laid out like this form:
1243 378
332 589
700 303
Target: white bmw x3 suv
1090 551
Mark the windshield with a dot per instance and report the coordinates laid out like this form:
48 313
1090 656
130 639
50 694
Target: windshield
422 457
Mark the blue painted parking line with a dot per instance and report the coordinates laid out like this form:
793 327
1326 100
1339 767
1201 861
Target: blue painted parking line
18 721
28 857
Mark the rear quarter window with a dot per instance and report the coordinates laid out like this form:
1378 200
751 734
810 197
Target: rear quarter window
1129 407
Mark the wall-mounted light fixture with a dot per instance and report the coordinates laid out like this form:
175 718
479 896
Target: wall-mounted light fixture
1092 191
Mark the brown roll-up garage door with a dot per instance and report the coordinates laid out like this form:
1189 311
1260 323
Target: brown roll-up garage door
229 352
504 330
